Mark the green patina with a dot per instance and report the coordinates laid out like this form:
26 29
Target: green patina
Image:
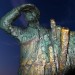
42 38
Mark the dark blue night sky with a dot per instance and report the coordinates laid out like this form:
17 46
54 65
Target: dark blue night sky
63 11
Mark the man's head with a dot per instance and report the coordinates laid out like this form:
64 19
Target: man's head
31 13
31 16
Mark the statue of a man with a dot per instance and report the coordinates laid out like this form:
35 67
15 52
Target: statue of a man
34 39
43 51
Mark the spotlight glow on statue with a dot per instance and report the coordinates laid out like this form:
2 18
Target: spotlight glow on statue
43 51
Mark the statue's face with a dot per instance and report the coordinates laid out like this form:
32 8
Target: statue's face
30 16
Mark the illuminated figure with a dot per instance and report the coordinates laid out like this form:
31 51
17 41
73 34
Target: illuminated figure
43 51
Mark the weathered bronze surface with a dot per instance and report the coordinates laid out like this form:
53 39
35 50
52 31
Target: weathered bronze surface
43 51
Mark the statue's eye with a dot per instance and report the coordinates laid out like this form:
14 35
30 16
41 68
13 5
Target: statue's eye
29 16
33 13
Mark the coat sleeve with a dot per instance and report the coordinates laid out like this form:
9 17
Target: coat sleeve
7 20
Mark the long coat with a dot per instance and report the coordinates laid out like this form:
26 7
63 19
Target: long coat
43 51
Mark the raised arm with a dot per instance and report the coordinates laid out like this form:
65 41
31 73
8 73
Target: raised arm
8 19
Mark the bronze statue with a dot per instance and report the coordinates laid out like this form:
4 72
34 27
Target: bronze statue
43 51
